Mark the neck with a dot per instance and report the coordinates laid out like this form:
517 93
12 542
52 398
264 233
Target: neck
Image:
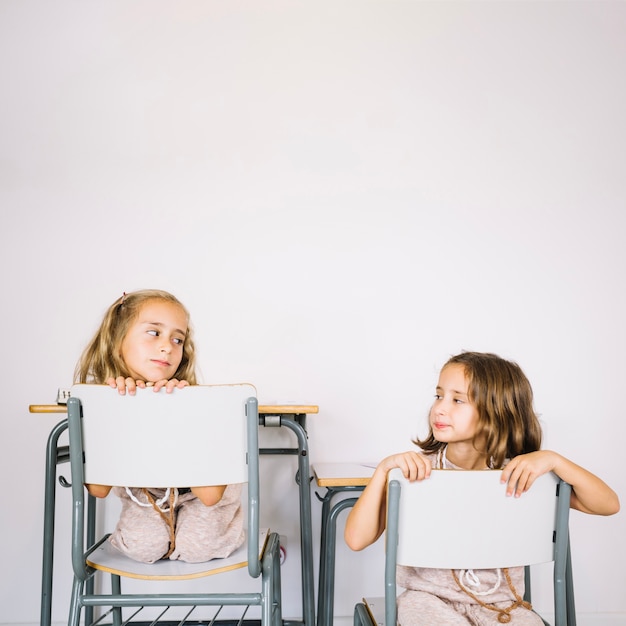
466 457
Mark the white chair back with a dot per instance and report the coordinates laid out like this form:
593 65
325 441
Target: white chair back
463 519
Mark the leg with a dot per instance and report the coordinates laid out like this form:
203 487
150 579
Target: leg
209 532
479 616
418 608
141 533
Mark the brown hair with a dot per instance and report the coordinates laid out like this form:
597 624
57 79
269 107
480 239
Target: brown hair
102 358
503 397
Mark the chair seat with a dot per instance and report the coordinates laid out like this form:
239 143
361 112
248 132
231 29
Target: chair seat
376 609
106 558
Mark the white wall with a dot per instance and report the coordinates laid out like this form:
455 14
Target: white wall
344 194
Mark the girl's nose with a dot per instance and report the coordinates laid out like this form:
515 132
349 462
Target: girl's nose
440 407
166 347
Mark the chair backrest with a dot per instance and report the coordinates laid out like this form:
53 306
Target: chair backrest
464 520
479 526
190 437
195 436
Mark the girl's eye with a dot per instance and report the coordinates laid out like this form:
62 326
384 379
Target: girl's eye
178 341
438 397
458 401
153 332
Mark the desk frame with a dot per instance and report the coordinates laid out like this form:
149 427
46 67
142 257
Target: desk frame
292 417
328 542
336 478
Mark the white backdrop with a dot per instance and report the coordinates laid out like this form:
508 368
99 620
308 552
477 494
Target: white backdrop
343 194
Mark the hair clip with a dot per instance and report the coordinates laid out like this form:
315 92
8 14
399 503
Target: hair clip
123 297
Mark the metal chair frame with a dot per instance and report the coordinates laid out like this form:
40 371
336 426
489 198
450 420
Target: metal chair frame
263 563
381 611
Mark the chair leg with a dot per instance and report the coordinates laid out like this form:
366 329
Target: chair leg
74 611
362 616
116 590
569 591
276 595
271 611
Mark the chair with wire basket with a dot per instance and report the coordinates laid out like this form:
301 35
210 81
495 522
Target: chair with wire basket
198 435
483 529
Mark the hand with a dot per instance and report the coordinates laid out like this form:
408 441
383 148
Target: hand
414 466
522 471
366 521
169 385
125 384
131 385
590 494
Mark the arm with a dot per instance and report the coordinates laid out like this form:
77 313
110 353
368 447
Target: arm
209 495
366 520
98 491
590 494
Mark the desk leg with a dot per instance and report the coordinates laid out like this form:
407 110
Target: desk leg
54 456
326 591
321 584
306 526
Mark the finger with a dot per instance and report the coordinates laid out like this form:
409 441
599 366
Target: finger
521 486
120 383
518 483
131 386
512 481
170 385
415 470
421 467
401 462
526 484
508 471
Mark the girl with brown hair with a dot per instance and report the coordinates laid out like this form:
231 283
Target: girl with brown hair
482 418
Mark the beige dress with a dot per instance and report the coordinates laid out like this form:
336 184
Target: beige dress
183 528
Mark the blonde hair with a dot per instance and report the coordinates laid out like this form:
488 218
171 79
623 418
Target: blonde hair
507 423
102 358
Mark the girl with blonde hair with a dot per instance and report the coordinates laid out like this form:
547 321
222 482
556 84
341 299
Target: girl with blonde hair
145 340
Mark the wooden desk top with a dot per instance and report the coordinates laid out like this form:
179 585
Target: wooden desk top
264 409
288 409
343 474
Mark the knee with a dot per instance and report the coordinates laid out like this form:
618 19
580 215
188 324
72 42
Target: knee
141 546
191 549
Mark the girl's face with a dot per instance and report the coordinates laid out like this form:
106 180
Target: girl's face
153 346
453 418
